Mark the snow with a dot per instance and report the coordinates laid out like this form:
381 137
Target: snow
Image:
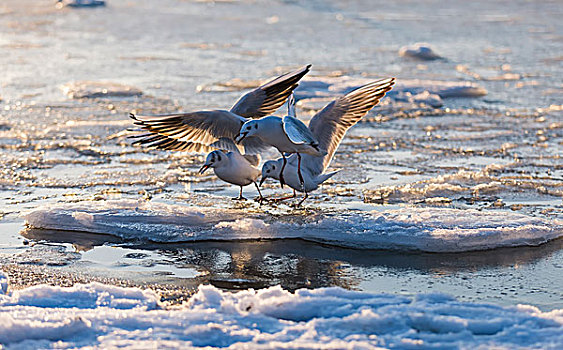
407 228
325 318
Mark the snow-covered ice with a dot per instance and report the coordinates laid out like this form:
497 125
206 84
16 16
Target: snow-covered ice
101 316
408 228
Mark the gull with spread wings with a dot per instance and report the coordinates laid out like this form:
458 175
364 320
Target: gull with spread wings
328 126
203 131
287 134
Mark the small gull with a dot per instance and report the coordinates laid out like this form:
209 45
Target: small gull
287 134
204 131
235 168
329 127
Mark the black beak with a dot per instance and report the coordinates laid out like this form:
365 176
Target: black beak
203 168
262 180
240 137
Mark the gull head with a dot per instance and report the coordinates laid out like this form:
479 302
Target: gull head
213 160
270 169
247 129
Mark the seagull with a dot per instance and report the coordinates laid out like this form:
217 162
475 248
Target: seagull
235 168
204 131
329 127
287 134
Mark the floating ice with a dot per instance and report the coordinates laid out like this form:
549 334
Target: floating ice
96 89
3 283
424 97
421 51
408 228
330 87
40 254
86 316
80 3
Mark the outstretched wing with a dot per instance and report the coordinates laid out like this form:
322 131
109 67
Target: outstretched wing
331 123
200 131
298 132
266 99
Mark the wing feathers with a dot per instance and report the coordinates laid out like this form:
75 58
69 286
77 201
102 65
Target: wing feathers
297 132
267 98
195 132
331 123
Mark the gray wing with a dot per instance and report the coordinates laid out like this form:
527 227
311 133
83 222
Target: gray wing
266 99
297 132
331 123
253 159
200 131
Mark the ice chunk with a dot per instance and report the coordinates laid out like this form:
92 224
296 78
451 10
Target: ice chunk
3 283
83 296
80 3
408 228
40 254
427 98
421 51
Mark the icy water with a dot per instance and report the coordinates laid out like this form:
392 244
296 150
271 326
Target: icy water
70 77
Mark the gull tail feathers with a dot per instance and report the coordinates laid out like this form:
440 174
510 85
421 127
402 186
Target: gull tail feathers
323 177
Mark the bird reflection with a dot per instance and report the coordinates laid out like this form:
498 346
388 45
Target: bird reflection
295 264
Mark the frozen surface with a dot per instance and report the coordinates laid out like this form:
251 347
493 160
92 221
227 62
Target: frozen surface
105 316
424 229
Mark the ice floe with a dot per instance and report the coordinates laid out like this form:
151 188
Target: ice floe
421 51
40 254
408 228
102 316
430 92
80 3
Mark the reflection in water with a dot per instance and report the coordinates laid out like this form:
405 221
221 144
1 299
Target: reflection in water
299 264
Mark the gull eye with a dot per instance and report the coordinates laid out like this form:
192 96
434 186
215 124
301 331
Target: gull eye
248 127
256 126
219 157
267 171
273 167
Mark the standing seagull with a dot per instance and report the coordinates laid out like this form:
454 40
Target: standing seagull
204 131
329 127
234 168
287 134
